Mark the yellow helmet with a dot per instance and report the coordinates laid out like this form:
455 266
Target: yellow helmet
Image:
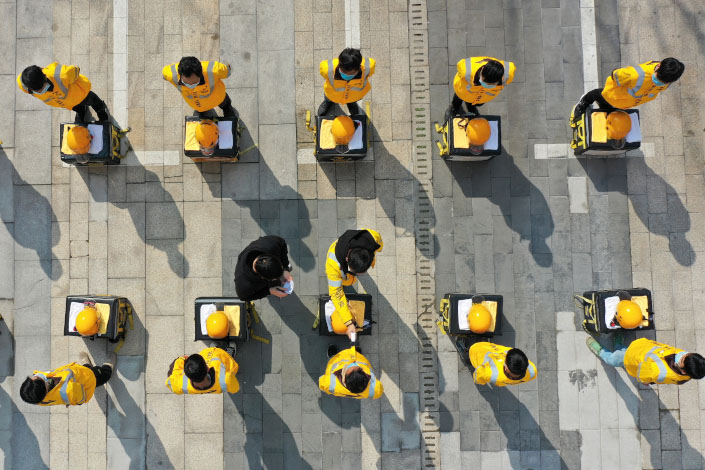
207 134
79 139
337 324
217 325
479 318
343 130
478 131
87 321
629 314
618 126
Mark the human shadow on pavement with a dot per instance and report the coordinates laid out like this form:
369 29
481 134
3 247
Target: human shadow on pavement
165 235
672 220
254 425
32 217
666 420
292 217
22 439
521 203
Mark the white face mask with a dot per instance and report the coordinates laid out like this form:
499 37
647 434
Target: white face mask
43 90
191 86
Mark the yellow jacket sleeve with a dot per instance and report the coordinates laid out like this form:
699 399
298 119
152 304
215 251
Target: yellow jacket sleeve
72 73
324 382
623 77
167 75
221 70
174 381
648 372
372 67
231 368
323 69
482 375
337 294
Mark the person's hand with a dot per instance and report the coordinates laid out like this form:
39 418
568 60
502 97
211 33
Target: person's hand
277 292
352 328
287 276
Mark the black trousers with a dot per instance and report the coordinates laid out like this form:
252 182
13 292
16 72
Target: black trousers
224 106
596 95
94 102
353 107
102 373
457 102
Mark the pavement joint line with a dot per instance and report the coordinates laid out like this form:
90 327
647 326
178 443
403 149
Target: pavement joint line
352 23
589 45
119 109
561 151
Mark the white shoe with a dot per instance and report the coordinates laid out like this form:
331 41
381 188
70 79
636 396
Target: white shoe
84 358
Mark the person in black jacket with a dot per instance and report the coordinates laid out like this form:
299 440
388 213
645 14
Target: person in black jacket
261 267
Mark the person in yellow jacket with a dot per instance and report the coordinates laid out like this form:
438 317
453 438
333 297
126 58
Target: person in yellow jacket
350 255
631 86
62 86
478 81
201 84
346 80
349 374
72 384
500 365
651 362
212 370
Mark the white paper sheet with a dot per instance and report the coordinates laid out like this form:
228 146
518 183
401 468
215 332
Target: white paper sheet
225 134
493 142
356 142
96 132
288 286
463 310
74 309
206 311
635 132
610 311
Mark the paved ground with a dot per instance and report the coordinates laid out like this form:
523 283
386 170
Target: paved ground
535 230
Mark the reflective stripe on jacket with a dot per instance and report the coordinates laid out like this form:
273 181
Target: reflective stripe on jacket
207 95
76 387
488 361
330 383
337 278
644 360
631 86
464 86
69 86
225 369
344 91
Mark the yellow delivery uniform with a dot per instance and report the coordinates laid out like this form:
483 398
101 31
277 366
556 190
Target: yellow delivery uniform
337 268
225 369
477 94
69 86
488 361
207 95
76 387
331 384
644 360
631 86
343 91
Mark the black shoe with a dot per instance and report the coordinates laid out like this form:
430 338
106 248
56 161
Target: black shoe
353 109
323 108
230 112
332 350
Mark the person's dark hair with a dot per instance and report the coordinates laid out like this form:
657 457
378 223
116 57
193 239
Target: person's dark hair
33 77
269 267
350 59
356 381
694 366
33 391
196 368
517 362
670 70
360 260
492 72
190 66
